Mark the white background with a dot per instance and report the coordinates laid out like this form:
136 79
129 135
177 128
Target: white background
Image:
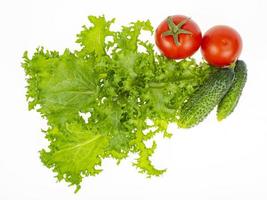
226 160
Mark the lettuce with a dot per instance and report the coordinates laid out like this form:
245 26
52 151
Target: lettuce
121 82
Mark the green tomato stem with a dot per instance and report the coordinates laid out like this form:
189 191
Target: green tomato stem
176 30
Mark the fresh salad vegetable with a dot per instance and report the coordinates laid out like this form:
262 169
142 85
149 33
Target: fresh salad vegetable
203 101
178 37
115 93
221 46
230 100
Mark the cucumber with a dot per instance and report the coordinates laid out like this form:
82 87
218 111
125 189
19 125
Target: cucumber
230 100
205 98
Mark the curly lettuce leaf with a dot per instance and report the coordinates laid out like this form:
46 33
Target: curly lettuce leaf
120 85
92 39
62 85
75 151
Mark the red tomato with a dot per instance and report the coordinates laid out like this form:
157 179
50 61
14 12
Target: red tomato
178 37
221 46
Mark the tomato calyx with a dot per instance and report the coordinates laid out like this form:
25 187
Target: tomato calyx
176 30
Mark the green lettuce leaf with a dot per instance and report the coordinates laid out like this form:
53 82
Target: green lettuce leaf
75 152
122 82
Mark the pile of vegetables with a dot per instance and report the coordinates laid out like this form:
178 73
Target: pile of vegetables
115 93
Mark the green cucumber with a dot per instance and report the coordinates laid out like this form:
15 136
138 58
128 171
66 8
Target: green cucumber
230 100
203 101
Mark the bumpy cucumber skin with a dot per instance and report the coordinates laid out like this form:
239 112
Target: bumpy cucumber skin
230 100
203 101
